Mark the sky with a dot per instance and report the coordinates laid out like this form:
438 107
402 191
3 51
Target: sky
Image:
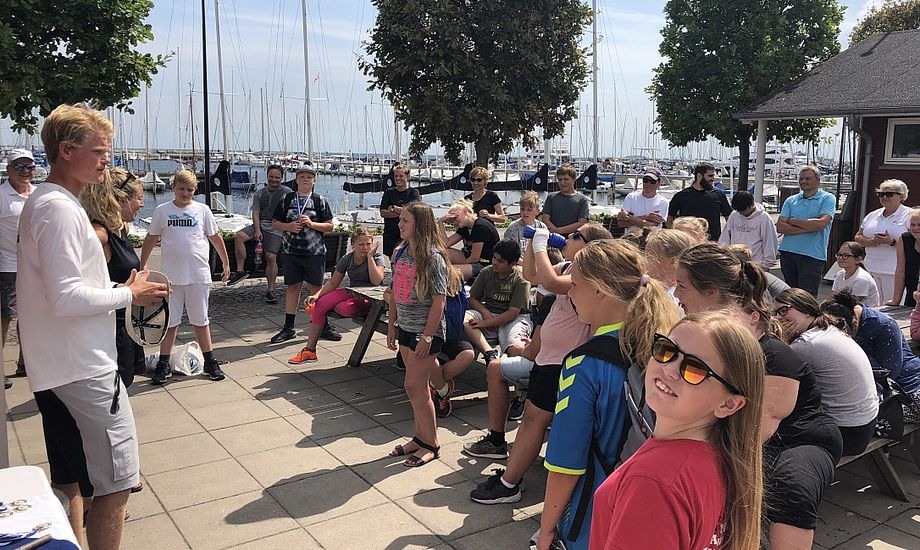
262 53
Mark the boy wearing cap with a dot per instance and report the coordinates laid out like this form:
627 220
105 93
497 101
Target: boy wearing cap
20 166
303 216
644 207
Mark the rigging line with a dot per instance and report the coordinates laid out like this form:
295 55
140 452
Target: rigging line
241 68
162 79
359 21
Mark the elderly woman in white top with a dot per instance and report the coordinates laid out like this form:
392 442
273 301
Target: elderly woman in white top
879 232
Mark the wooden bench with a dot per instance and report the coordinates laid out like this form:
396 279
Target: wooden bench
880 466
371 323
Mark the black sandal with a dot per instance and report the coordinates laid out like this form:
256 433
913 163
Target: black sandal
414 461
399 450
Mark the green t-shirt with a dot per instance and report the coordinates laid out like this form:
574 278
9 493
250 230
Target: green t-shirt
498 295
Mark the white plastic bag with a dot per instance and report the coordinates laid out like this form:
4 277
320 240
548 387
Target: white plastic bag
187 359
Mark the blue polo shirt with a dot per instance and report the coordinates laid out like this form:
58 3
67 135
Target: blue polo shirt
813 243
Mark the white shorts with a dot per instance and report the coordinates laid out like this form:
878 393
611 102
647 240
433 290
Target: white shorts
513 333
516 370
192 298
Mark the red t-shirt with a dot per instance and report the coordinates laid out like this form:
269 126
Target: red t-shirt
669 494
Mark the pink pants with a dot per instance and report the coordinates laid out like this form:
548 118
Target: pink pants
915 322
342 302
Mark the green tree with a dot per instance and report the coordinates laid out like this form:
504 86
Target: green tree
890 16
487 72
75 50
721 57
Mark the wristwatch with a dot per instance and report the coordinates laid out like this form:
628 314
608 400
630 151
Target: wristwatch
427 339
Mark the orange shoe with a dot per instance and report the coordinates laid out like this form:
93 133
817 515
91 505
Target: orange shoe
305 356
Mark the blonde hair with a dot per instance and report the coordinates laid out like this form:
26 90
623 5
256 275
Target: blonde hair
594 232
529 199
667 243
103 201
73 125
737 437
425 242
567 170
898 185
402 167
454 281
462 204
698 228
617 268
184 176
481 171
359 231
813 169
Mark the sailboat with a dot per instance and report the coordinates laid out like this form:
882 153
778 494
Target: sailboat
152 182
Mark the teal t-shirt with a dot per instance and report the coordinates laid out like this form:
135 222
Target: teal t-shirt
813 243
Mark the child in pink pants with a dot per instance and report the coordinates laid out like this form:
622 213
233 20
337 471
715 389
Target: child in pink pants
364 266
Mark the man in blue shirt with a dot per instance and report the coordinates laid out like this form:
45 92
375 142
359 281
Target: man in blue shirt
805 223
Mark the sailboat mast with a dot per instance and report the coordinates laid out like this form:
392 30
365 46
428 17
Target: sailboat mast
204 79
594 70
191 125
147 130
306 75
220 81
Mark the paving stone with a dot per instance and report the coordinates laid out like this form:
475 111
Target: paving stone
451 514
202 483
142 532
908 521
396 481
258 436
145 503
362 446
213 393
166 425
301 401
337 493
862 496
228 522
515 533
180 452
276 383
296 538
882 538
837 525
289 464
224 415
331 421
388 525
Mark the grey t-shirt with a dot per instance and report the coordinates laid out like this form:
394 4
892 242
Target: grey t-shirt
264 201
515 232
566 209
357 274
412 310
775 285
843 373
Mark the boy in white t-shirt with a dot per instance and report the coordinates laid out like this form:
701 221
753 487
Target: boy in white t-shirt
184 228
644 207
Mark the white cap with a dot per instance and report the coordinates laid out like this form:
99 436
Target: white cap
16 154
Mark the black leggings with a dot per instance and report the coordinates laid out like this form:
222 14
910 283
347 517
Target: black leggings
856 438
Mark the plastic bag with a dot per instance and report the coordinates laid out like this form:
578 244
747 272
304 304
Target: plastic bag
187 359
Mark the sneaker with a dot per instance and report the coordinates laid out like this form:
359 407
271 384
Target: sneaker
20 370
236 277
305 356
484 448
493 491
490 356
400 364
213 370
161 373
516 412
284 335
7 383
329 334
271 298
442 405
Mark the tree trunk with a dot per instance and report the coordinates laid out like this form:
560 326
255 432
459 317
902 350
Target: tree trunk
744 160
483 150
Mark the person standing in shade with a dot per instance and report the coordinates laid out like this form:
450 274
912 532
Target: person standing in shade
567 210
392 204
879 233
805 223
303 216
751 226
701 200
20 165
644 207
264 202
487 204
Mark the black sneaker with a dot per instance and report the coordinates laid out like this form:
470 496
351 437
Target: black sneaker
271 298
20 370
516 412
7 383
493 491
236 277
400 364
329 334
284 335
484 448
490 356
212 369
161 373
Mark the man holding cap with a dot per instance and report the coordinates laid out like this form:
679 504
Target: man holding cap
303 217
20 165
644 207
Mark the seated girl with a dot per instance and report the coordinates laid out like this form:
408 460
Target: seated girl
361 271
698 228
841 367
853 275
478 235
662 247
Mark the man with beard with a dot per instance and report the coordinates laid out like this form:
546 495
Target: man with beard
701 200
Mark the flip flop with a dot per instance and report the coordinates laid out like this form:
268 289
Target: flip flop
399 450
147 324
414 461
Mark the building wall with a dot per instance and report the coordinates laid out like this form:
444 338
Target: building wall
877 127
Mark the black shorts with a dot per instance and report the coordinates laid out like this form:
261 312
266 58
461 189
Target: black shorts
543 387
8 295
66 459
300 269
453 348
410 339
794 484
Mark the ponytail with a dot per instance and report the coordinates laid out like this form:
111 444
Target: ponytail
653 310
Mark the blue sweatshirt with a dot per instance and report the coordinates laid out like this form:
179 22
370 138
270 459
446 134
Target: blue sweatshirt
881 338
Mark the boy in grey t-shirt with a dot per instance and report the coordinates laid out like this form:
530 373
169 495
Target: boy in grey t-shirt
567 210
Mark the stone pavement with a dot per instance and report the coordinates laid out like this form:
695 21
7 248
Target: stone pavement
295 457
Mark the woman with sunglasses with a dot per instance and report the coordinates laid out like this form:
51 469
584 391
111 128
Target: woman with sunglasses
879 233
479 238
112 206
698 482
613 294
841 367
907 270
486 204
879 335
853 276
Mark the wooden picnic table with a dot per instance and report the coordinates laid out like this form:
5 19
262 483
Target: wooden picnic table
372 322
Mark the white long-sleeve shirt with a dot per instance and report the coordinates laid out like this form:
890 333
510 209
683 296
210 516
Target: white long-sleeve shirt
66 300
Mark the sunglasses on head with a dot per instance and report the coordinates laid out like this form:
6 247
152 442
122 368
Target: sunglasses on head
692 369
130 177
887 194
23 167
577 235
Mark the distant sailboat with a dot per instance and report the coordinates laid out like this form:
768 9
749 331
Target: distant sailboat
152 182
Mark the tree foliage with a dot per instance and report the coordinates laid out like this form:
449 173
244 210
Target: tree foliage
890 16
487 72
721 57
70 51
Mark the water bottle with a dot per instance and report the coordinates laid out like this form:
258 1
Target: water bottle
259 255
555 240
